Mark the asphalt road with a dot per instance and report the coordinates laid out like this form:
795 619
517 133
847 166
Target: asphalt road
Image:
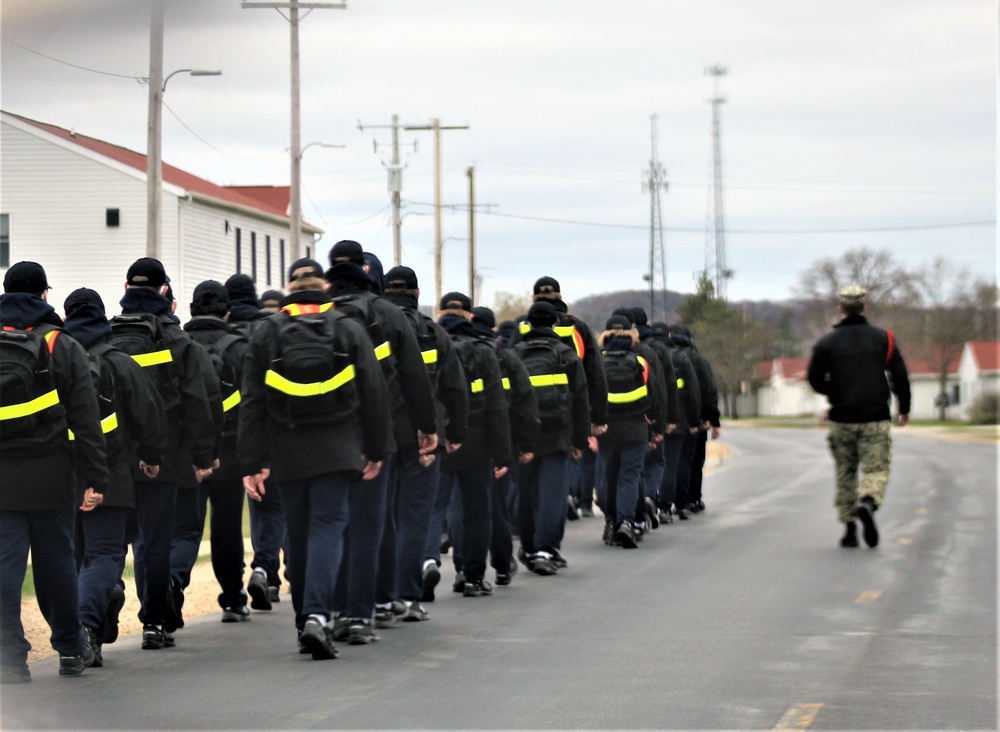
749 616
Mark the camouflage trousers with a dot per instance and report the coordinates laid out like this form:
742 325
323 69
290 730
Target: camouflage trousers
867 445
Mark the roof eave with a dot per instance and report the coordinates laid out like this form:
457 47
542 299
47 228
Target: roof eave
221 203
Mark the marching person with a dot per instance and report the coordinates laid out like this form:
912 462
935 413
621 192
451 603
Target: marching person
849 365
46 390
315 413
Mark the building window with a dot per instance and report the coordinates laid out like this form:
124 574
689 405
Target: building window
239 250
281 261
956 393
253 256
267 259
112 216
4 240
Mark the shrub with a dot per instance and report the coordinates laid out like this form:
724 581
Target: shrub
985 409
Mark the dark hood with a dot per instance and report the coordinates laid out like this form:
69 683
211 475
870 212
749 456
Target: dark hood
618 343
144 300
456 325
243 311
375 273
88 324
644 331
402 301
852 320
482 329
683 341
22 310
347 278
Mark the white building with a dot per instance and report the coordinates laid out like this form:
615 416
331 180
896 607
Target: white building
77 205
785 391
978 373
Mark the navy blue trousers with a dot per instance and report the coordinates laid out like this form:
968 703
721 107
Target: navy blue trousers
100 535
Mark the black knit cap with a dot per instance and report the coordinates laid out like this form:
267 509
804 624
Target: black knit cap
660 328
304 267
456 301
625 313
272 296
147 272
347 251
27 277
210 291
83 296
546 284
485 316
542 315
401 278
679 329
639 316
241 288
618 322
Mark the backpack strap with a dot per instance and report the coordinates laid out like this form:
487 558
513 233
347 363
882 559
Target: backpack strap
891 348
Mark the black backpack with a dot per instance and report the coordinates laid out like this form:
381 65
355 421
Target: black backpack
228 373
474 374
311 379
31 416
420 324
141 337
548 375
105 388
627 375
359 307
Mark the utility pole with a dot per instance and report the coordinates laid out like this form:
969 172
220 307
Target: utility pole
395 170
295 188
655 181
471 174
435 126
715 236
154 168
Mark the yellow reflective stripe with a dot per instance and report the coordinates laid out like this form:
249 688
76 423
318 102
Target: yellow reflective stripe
564 331
295 309
629 396
430 356
476 386
231 401
383 351
286 386
549 379
524 327
26 409
506 383
153 359
108 424
680 383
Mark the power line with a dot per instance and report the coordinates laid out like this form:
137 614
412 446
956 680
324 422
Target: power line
701 230
218 150
134 77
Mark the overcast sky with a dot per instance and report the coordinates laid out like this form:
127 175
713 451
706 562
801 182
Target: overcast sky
873 119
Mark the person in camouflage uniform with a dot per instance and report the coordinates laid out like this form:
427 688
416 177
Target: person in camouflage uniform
850 366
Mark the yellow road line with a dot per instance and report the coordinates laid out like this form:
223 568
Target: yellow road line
905 541
868 596
922 510
799 716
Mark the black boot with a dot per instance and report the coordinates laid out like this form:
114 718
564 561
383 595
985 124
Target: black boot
850 537
866 515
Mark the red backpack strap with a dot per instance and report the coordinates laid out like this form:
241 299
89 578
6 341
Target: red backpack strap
891 348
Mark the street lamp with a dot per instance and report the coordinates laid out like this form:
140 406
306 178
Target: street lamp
154 164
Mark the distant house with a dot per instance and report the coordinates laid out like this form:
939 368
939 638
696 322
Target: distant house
784 390
978 373
77 205
925 389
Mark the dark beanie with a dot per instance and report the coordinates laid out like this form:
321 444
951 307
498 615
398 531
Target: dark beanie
210 292
618 322
83 296
275 296
456 301
241 288
660 328
625 313
485 316
304 267
26 277
147 272
678 329
639 316
546 284
542 315
347 251
401 278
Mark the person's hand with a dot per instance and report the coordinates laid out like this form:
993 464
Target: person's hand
671 428
526 457
499 472
693 430
91 500
904 419
428 443
201 473
150 471
593 444
254 484
576 453
452 446
370 470
716 431
427 460
598 429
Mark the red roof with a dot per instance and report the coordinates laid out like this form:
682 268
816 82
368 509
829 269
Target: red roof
987 354
926 360
250 196
791 368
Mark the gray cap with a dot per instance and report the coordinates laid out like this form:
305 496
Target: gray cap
852 294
